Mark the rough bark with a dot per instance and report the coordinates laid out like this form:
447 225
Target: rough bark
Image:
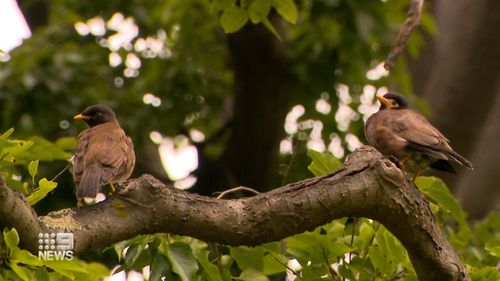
368 185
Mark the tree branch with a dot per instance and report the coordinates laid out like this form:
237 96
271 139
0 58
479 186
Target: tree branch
412 21
368 185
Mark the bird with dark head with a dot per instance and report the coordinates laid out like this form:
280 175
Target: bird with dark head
104 153
400 132
96 114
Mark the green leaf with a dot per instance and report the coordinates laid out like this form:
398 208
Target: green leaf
346 272
46 150
159 267
94 271
11 239
488 228
493 246
67 268
436 190
366 233
209 269
25 257
41 274
6 135
33 169
270 27
251 274
314 272
19 149
287 9
335 228
66 143
258 10
247 257
219 5
233 19
484 273
322 163
306 247
23 272
133 256
337 249
183 261
392 245
379 259
271 266
44 187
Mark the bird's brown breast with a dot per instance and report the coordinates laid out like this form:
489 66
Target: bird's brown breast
382 133
106 149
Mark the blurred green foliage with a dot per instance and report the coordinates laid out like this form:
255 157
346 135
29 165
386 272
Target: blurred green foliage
19 160
177 51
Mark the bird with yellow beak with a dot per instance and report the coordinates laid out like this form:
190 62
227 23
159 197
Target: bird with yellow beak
104 153
400 132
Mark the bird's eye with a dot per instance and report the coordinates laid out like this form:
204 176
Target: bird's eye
394 104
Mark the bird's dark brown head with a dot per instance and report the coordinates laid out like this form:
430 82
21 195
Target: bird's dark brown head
96 114
392 101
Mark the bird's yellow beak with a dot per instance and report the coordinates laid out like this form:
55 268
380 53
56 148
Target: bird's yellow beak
81 117
384 101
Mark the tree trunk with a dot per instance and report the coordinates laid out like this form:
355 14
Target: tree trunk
259 111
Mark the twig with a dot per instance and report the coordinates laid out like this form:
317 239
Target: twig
277 259
239 188
214 248
412 21
354 221
60 173
352 237
330 269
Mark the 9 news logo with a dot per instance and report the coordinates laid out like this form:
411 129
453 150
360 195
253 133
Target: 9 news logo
55 246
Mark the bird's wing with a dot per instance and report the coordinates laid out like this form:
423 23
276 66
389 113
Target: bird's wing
414 127
108 149
82 142
420 135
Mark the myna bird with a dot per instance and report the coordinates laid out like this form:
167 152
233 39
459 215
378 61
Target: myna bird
399 132
104 153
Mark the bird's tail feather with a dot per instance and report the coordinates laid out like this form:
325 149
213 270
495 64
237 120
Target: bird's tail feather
89 183
440 153
460 159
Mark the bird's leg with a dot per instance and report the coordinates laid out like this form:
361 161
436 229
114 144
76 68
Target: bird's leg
113 189
79 203
417 173
405 159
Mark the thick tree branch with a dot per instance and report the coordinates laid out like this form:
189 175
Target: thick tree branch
368 185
